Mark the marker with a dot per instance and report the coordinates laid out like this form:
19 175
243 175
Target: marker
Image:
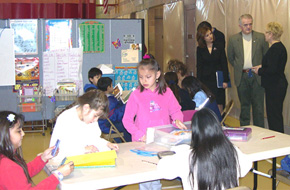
268 137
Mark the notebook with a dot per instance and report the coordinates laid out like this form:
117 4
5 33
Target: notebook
98 159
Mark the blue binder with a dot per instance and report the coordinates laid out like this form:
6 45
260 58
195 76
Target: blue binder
220 79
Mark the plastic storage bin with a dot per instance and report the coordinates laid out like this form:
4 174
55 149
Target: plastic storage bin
238 134
170 135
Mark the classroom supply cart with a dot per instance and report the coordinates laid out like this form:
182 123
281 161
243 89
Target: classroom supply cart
31 102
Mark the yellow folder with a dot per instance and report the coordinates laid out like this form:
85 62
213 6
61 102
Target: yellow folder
98 159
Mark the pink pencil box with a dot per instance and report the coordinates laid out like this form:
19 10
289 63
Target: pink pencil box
238 134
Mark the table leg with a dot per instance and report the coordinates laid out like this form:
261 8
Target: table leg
274 174
255 176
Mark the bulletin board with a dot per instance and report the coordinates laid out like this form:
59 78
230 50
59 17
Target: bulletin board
117 42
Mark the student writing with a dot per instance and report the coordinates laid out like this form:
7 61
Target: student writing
77 127
15 173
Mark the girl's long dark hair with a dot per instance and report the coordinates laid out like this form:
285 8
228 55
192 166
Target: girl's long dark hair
6 147
152 65
213 156
171 79
192 85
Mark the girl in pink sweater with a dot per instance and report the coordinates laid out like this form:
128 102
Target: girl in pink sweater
152 104
14 172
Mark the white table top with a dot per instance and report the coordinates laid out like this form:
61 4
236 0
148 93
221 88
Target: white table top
132 168
261 149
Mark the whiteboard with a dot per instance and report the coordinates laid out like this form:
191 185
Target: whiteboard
7 56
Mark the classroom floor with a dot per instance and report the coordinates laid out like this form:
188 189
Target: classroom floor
34 143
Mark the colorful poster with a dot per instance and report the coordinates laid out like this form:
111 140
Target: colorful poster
25 36
58 34
127 77
92 35
27 72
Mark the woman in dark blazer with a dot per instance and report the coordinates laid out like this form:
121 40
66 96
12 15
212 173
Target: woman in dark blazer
211 57
272 76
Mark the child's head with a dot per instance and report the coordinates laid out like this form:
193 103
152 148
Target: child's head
212 152
94 104
150 76
11 133
105 84
191 84
171 78
177 66
94 75
205 125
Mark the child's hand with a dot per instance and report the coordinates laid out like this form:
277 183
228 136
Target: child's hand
113 146
179 124
66 169
46 155
91 149
143 139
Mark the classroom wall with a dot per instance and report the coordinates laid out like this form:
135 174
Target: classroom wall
114 29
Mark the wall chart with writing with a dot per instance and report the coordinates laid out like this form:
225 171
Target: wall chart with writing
92 35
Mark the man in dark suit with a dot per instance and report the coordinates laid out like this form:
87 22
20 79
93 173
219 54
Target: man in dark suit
245 50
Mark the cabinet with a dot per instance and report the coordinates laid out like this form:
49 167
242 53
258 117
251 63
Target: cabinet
33 104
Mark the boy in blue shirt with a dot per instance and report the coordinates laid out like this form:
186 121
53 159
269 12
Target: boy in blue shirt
116 110
94 75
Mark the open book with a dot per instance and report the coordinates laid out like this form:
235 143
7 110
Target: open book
118 90
126 94
98 159
119 93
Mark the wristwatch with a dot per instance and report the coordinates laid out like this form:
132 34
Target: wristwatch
58 174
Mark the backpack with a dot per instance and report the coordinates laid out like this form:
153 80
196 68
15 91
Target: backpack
285 163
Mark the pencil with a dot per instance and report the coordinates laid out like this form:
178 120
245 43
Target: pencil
268 137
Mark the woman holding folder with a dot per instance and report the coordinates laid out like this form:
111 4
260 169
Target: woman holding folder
211 57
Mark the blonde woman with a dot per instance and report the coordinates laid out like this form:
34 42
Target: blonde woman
272 76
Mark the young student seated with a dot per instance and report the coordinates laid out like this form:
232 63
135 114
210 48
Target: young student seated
14 172
181 95
211 161
200 93
94 75
116 110
77 126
